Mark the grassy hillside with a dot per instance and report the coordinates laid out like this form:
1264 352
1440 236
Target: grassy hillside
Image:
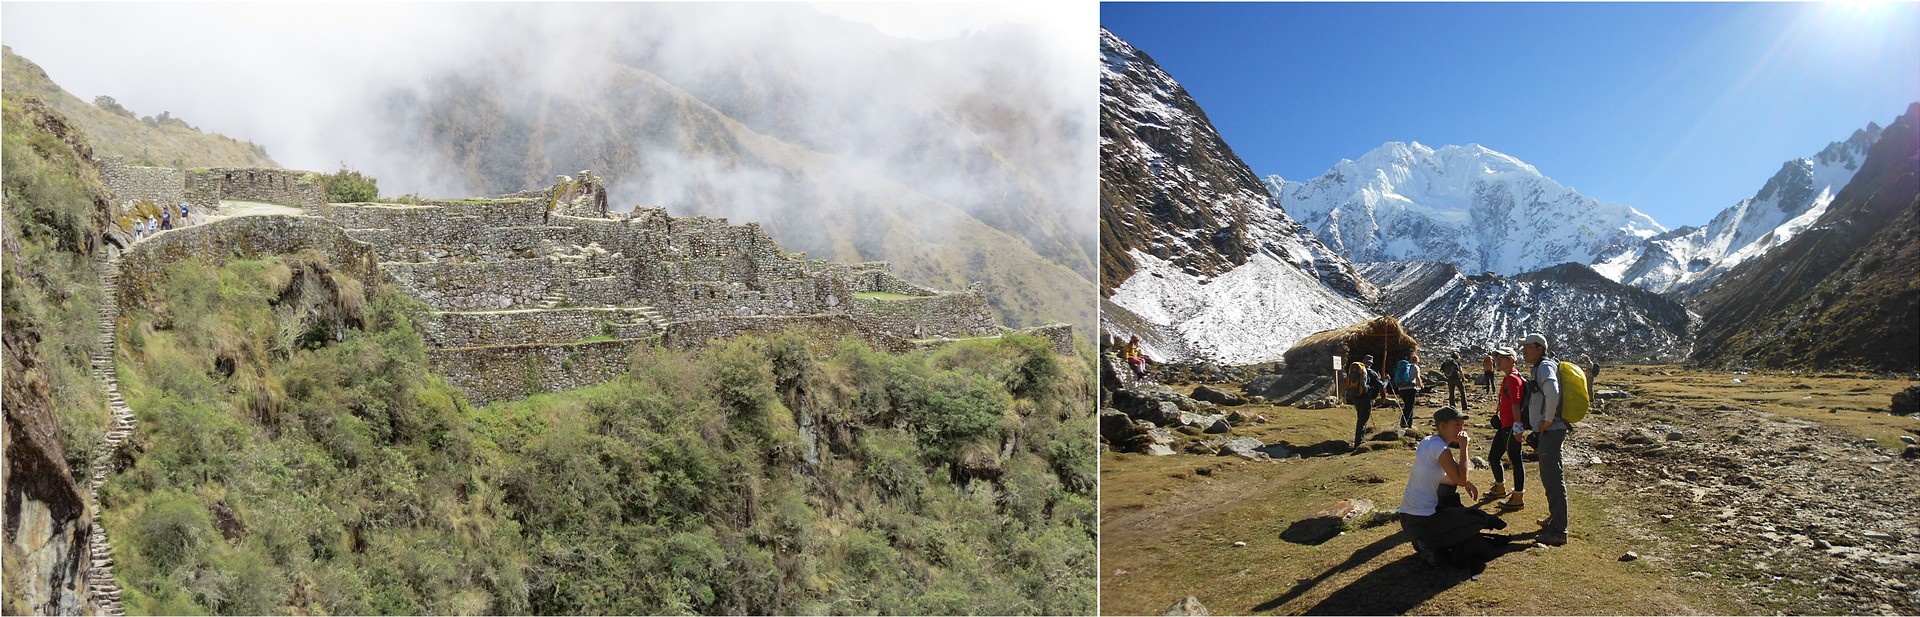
297 457
157 139
54 210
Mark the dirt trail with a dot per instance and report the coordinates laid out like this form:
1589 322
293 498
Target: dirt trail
1794 515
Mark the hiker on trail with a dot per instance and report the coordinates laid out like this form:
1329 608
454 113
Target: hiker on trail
1135 359
166 219
153 226
1362 385
1506 439
1542 411
1456 380
183 214
1488 377
1408 383
1430 509
138 226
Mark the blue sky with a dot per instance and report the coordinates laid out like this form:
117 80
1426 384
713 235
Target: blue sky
1679 110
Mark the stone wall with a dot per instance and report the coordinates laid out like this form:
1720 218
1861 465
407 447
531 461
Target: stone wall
522 327
874 276
164 186
950 315
246 237
507 372
291 187
1059 334
823 331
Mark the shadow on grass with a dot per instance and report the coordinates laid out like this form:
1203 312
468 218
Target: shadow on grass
1329 447
1392 589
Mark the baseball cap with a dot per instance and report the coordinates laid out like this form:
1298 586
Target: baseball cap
1536 339
1448 413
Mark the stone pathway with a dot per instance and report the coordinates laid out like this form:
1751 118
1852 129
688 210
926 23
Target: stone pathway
101 586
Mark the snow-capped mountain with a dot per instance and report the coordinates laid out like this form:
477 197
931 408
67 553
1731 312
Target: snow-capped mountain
1687 260
1195 256
1580 312
1467 205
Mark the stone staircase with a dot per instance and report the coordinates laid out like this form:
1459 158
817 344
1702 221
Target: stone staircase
553 299
101 587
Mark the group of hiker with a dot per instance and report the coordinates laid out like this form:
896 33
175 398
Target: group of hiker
1538 401
151 225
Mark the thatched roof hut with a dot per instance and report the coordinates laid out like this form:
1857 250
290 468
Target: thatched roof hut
1381 337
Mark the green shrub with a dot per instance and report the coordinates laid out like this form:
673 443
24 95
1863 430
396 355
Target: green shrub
348 185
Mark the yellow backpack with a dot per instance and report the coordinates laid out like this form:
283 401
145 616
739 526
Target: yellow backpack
1573 393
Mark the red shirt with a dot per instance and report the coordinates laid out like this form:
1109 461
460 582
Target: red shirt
1510 391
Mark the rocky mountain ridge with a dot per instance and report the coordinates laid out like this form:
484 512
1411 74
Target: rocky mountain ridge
1579 310
1843 291
1197 258
1686 260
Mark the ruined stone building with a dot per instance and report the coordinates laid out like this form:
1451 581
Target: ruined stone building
548 290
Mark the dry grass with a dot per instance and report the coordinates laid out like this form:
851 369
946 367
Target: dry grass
1853 403
1168 525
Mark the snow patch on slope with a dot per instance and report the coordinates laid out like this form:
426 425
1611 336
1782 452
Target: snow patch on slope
1251 314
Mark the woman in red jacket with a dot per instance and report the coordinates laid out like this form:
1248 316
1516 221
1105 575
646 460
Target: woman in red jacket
1506 444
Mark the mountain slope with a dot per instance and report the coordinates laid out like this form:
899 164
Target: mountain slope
1580 311
1686 260
1467 205
1841 292
156 140
1200 260
918 172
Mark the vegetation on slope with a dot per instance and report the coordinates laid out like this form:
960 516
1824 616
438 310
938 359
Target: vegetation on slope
159 139
54 210
296 456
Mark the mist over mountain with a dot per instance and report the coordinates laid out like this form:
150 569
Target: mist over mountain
958 160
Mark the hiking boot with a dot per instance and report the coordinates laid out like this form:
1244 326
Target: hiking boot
1552 539
1499 490
1426 553
1516 502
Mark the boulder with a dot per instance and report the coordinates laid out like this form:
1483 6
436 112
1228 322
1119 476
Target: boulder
1385 436
1326 523
1117 427
1606 395
1186 606
1158 450
1220 425
1218 397
1906 402
1243 447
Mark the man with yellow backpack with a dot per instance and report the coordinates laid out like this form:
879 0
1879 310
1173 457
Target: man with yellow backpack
1556 398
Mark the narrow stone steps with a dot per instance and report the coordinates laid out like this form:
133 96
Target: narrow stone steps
103 590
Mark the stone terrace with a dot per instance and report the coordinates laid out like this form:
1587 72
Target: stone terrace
526 300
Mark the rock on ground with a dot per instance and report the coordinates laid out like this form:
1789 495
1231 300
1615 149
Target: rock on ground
1186 606
1327 523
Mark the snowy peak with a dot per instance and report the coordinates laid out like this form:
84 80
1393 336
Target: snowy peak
1790 201
1472 206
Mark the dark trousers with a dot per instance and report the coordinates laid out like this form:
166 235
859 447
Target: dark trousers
1450 526
1457 389
1489 377
1363 411
1506 446
1406 407
1551 476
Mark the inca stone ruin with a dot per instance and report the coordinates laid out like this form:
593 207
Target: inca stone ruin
548 289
